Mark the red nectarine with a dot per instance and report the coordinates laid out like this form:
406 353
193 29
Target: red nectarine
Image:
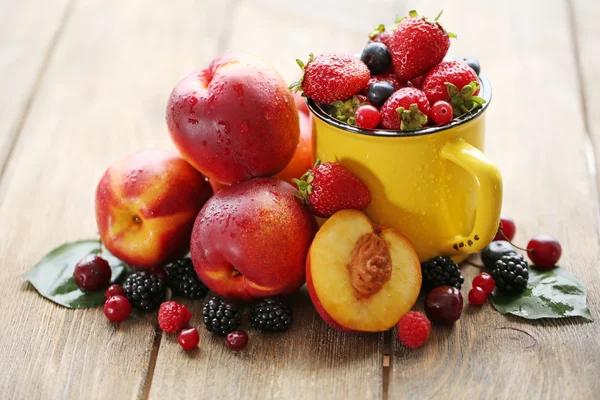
250 240
146 205
361 277
303 158
234 120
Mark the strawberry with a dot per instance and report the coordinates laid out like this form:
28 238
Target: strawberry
330 187
345 110
331 77
407 109
391 78
418 45
380 34
456 83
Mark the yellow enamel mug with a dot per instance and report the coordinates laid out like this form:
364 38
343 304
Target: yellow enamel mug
435 186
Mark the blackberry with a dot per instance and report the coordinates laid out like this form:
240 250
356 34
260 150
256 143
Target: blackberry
441 271
184 281
271 315
494 251
221 316
511 274
145 291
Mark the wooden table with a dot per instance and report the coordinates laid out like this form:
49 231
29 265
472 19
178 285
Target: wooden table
84 82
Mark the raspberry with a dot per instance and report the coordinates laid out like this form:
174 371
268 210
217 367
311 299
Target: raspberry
173 316
414 329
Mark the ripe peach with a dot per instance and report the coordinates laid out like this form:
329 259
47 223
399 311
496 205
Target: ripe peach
250 240
303 158
146 204
361 277
234 120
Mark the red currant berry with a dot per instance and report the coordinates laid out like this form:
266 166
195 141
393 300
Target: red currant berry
367 116
441 112
117 308
114 290
508 228
544 251
484 281
189 338
92 273
237 340
477 296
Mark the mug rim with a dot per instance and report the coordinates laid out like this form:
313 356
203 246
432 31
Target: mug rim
485 93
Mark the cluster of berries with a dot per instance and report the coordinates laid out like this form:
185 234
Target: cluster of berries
402 80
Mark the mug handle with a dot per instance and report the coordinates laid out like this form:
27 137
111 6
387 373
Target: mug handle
489 195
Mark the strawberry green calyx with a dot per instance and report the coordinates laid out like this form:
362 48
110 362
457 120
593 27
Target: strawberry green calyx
297 85
411 119
304 184
464 101
345 110
376 31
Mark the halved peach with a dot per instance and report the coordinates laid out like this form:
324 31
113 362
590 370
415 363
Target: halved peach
361 277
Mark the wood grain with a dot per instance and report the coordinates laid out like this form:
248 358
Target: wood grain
536 135
312 360
29 31
103 96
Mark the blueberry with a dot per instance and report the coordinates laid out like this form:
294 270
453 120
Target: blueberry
494 252
472 62
377 57
379 92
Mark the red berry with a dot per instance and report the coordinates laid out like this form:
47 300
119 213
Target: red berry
508 228
92 273
117 308
173 316
413 113
114 290
237 340
441 112
456 73
444 304
477 296
414 329
189 338
485 282
544 251
367 117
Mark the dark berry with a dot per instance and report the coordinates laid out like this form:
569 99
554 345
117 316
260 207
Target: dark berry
189 338
92 273
441 112
377 57
509 229
117 308
221 316
472 62
494 251
379 92
485 282
145 290
511 274
271 315
367 116
161 273
444 304
477 296
184 281
114 290
237 340
441 271
544 251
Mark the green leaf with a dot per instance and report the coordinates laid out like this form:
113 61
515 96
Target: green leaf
52 276
550 294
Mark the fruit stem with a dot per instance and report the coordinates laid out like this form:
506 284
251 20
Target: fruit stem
514 245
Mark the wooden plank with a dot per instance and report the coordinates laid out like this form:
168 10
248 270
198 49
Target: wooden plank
28 32
536 135
103 96
312 360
